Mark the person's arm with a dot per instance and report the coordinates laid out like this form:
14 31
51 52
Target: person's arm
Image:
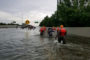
66 32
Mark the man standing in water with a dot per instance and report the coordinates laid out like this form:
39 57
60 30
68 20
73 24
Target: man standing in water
61 34
50 30
42 30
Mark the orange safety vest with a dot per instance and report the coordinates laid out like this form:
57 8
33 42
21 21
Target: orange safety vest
41 29
44 28
62 32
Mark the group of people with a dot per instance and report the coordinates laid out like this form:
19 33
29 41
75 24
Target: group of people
61 32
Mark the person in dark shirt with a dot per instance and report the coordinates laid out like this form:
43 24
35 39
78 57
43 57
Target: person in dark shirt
50 30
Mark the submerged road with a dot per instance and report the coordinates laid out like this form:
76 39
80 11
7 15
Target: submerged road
23 44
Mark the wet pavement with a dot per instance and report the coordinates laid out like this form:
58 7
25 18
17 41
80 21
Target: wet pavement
18 44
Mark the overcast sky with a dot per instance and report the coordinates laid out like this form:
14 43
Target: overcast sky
20 10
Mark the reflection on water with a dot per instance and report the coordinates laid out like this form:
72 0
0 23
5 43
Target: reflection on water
27 35
18 44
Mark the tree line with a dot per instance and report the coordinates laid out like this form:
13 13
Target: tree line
70 13
12 23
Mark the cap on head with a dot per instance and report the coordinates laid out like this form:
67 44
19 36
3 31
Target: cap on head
61 26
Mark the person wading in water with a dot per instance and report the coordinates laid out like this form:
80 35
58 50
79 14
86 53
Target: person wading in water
61 34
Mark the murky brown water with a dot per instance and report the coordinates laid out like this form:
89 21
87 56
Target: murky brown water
18 44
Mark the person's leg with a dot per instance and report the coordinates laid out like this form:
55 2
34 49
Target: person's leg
64 41
41 33
59 39
50 34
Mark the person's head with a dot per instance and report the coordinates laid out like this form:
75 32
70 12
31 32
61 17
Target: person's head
61 26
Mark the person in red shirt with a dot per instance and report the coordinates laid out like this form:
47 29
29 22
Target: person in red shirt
54 28
41 31
44 28
61 34
58 29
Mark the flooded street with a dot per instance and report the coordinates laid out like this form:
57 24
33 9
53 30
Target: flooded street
23 44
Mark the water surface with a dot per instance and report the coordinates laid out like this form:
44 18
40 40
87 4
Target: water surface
18 44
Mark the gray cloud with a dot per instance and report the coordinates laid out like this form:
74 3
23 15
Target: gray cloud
25 7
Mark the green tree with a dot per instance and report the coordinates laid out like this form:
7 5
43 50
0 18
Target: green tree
72 13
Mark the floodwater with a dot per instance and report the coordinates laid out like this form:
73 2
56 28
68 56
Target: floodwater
23 44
